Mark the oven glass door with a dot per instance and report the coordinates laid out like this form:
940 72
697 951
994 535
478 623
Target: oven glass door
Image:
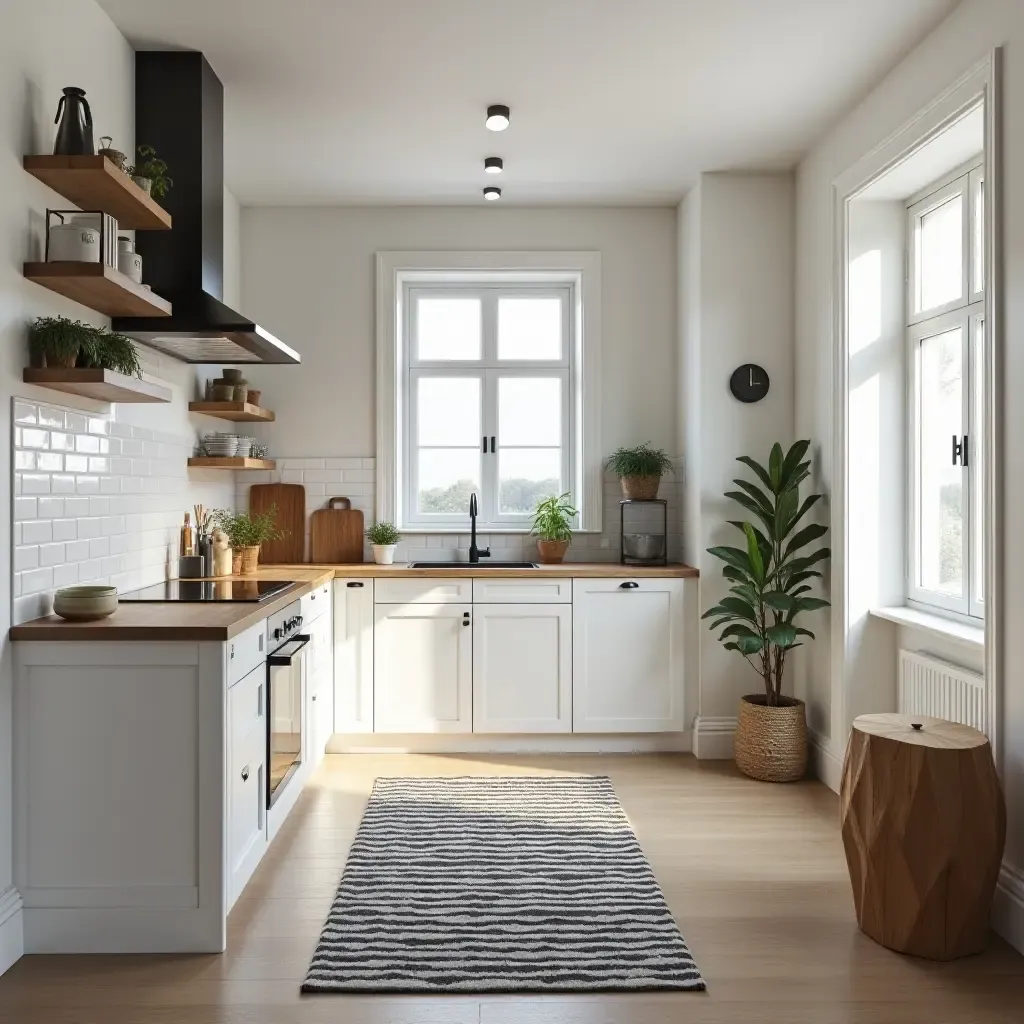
286 685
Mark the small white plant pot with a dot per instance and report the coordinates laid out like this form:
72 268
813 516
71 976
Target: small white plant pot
384 554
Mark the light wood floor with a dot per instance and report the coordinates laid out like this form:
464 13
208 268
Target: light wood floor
754 874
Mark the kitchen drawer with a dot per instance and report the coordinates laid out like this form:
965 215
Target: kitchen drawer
522 591
246 701
246 651
316 603
247 796
423 591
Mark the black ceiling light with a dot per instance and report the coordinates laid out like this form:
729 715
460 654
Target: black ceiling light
497 117
494 165
492 192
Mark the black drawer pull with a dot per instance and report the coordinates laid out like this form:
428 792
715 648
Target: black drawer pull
353 584
628 585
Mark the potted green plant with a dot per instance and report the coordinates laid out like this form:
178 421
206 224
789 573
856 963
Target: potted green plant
552 526
384 538
113 351
640 470
58 341
770 587
247 531
150 173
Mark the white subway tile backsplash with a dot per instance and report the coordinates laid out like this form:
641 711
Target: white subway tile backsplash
32 438
76 463
51 508
51 554
63 529
25 508
26 558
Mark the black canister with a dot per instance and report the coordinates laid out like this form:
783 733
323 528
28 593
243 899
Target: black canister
74 134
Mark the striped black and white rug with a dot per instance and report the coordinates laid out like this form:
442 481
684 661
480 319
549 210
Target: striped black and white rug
498 885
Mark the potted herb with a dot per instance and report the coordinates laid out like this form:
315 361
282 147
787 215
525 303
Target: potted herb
57 341
384 538
150 173
247 531
113 351
552 525
769 576
640 470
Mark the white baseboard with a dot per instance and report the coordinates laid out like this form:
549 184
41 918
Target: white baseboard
12 935
1008 905
470 743
713 737
828 766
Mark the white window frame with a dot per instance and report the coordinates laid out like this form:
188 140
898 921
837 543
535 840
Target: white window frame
967 313
399 274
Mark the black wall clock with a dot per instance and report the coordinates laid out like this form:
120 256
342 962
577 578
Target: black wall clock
749 382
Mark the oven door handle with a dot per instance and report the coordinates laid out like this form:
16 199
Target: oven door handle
287 659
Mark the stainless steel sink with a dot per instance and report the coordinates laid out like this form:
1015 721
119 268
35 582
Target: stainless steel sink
482 564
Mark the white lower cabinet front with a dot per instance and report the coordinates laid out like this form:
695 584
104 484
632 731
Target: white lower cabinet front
247 796
423 663
522 668
627 655
353 655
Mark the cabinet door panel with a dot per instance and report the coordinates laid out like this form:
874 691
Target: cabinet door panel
422 668
247 798
522 668
353 655
627 655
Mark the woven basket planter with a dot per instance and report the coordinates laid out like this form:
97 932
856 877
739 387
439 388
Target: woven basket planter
249 557
640 488
771 742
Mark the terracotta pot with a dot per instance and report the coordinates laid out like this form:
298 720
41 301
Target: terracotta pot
640 488
771 742
254 397
250 557
552 552
62 361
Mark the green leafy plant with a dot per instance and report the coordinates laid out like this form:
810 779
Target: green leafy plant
552 518
113 351
384 534
58 341
151 166
248 530
643 460
770 573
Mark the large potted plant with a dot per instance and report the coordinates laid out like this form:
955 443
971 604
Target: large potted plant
247 531
770 576
58 341
640 470
552 526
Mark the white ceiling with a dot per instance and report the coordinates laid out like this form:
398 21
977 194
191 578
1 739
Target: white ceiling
613 101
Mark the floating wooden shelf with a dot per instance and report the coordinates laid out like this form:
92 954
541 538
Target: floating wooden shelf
239 412
94 183
99 287
231 462
103 385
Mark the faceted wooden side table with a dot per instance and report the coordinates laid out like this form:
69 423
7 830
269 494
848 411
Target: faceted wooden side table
923 823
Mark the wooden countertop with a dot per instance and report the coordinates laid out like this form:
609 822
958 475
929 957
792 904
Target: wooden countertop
218 622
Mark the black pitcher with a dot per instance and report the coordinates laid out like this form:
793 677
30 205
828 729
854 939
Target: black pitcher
74 136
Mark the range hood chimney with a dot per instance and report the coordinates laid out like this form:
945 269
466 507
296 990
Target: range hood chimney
179 110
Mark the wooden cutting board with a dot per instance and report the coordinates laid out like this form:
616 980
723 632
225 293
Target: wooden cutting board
290 500
336 533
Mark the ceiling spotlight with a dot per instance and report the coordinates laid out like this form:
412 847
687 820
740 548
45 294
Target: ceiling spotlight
494 165
497 117
492 192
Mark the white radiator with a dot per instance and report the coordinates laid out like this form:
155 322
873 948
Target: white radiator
929 686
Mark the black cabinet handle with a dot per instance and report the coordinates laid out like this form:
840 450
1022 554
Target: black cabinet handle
628 585
353 584
245 774
465 618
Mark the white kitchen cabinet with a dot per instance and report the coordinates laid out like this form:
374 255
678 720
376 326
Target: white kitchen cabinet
247 810
423 663
522 668
627 655
353 655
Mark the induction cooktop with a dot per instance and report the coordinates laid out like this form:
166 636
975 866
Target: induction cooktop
195 591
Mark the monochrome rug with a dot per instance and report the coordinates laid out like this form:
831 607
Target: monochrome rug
498 885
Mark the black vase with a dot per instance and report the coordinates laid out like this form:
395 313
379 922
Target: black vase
74 135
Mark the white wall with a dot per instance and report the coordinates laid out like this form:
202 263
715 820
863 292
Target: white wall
308 276
965 37
736 283
44 46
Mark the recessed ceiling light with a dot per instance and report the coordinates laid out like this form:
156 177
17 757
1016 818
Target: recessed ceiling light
497 117
494 165
492 192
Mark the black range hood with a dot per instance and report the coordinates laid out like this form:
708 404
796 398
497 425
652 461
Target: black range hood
179 110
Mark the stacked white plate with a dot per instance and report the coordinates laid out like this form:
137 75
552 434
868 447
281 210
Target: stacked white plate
245 445
221 445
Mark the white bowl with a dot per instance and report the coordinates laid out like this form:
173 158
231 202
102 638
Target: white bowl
82 604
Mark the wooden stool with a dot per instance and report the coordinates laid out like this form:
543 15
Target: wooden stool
923 823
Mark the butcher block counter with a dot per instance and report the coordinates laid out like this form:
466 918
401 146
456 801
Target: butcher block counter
213 622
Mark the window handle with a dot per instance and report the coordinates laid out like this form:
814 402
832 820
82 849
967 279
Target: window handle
485 444
492 444
960 451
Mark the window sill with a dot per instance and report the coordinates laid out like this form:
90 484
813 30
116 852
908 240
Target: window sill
937 625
